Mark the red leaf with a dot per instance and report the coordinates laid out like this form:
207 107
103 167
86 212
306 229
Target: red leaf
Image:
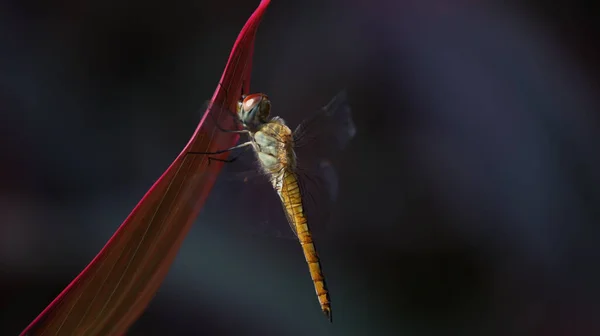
115 288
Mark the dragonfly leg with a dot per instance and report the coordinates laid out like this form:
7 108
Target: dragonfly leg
248 143
242 145
222 129
235 117
210 158
221 160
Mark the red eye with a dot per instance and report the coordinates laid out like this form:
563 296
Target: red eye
251 101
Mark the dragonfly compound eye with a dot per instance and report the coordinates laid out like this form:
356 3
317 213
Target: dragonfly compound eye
264 109
251 101
257 105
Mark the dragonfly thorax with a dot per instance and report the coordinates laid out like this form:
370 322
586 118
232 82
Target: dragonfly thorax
273 144
254 110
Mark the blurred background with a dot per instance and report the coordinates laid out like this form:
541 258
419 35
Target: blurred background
469 200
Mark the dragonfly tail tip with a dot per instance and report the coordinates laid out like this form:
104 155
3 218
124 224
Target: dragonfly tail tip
327 312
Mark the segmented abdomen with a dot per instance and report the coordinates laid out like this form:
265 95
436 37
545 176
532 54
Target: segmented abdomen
291 198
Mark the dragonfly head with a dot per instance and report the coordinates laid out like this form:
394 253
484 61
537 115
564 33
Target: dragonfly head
254 109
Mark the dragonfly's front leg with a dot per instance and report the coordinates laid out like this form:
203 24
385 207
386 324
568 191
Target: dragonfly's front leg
242 145
234 115
222 129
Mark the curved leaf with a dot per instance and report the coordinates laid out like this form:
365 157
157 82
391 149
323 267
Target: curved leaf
115 288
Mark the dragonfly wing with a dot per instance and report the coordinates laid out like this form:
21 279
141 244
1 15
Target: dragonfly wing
318 189
317 141
244 201
325 133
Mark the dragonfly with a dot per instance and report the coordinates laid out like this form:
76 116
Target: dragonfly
297 165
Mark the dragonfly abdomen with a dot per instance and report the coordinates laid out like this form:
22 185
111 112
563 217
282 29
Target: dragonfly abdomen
291 198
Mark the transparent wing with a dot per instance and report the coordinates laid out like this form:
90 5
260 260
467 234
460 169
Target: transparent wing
244 200
317 142
325 133
246 203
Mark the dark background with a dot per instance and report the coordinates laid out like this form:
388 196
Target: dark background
469 197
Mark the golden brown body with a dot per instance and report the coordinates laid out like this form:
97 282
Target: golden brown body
273 143
292 204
